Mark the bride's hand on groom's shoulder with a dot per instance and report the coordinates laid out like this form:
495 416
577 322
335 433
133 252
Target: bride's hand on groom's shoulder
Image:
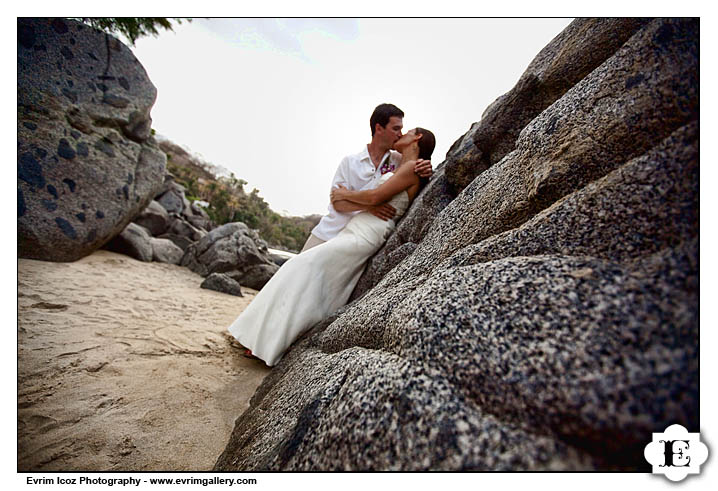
422 168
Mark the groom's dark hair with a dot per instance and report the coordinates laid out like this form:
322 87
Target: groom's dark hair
382 114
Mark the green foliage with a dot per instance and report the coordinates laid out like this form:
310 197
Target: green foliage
229 202
132 28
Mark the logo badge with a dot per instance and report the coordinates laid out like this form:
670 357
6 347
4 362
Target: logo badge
676 453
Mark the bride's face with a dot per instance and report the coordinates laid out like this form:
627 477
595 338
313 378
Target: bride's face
406 140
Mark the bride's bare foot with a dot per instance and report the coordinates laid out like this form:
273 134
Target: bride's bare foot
248 354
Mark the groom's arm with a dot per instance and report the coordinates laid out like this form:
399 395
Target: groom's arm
384 211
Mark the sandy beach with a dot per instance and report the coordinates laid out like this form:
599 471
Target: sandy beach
126 365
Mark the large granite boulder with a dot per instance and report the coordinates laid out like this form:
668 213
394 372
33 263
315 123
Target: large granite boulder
87 163
229 247
557 68
546 152
547 319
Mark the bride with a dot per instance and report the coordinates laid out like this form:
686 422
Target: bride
312 285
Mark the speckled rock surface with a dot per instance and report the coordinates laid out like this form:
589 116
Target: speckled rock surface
363 409
559 66
547 319
87 163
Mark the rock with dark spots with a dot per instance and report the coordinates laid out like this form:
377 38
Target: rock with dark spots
67 53
83 150
49 205
65 227
165 251
105 146
65 150
547 317
21 208
99 215
220 282
230 247
59 26
26 36
71 95
134 241
30 171
154 218
87 139
51 189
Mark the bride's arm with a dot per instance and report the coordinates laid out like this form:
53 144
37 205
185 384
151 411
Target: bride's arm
345 206
403 179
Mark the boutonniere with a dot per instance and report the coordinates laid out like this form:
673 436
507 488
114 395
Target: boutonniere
386 166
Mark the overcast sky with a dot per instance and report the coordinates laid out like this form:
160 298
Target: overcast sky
279 102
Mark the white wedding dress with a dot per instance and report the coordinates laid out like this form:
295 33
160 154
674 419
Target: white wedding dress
312 285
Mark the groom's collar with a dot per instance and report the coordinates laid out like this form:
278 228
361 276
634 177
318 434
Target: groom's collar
364 155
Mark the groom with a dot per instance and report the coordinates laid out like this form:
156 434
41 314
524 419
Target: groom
361 170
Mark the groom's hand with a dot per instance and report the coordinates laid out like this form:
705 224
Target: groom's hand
383 211
423 168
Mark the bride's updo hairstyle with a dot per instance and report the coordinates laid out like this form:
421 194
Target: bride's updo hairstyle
427 142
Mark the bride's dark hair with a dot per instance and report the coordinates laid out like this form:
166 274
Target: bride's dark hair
427 142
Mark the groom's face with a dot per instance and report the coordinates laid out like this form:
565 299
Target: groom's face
392 131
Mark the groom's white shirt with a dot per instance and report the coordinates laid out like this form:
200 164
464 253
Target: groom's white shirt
356 172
